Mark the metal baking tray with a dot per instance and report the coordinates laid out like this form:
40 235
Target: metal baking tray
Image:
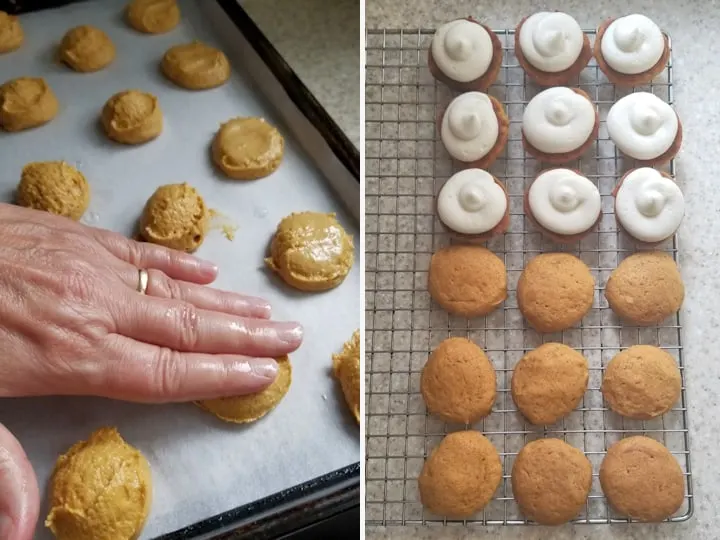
406 165
300 463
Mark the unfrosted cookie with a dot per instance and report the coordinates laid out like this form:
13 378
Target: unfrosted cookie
132 117
55 187
100 488
460 476
195 66
311 251
175 216
346 368
86 48
642 382
458 382
247 148
470 281
646 288
25 103
551 481
555 291
642 480
153 16
11 33
251 407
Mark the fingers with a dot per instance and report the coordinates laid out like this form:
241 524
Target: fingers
19 496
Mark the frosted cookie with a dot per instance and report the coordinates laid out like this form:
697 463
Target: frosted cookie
252 407
645 128
642 480
470 281
649 205
346 368
473 205
551 481
642 382
153 16
311 251
555 291
458 382
55 187
465 55
559 124
195 66
26 103
247 148
563 204
460 476
132 117
175 216
11 33
645 288
86 48
100 488
551 48
474 129
631 50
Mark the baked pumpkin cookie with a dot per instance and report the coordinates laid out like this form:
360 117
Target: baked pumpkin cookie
86 48
11 33
55 187
247 148
132 117
153 16
195 66
346 368
26 103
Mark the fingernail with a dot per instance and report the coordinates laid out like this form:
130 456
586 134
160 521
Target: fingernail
266 368
290 333
207 266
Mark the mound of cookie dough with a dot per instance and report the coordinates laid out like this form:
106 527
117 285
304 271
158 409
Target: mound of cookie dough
55 187
132 117
153 16
346 368
100 488
26 103
11 33
247 148
244 409
311 251
196 66
86 48
175 216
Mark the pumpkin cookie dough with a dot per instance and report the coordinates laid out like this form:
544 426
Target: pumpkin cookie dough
11 33
132 117
311 251
153 16
86 48
195 66
251 407
55 187
247 148
175 216
100 488
26 103
346 368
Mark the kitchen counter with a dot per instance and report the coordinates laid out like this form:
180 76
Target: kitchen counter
692 26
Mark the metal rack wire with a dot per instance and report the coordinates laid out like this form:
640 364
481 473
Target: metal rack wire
406 165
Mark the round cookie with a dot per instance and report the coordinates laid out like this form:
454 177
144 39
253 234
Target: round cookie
26 103
458 382
645 288
195 66
555 291
346 369
311 251
247 148
642 480
153 16
175 216
132 117
470 281
460 476
551 481
11 33
100 488
55 187
251 407
549 382
642 382
86 48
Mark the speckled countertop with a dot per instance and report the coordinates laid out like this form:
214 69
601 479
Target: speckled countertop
321 42
693 26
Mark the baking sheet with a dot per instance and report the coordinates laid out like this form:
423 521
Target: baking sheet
201 466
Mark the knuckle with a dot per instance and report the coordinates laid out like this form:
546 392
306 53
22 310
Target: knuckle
170 373
188 327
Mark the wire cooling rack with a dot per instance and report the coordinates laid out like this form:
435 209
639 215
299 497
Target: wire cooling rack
406 165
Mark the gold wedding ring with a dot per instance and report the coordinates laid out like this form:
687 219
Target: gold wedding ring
143 279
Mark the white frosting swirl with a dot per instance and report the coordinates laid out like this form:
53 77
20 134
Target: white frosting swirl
551 41
632 44
558 120
471 202
564 202
469 126
649 205
642 125
462 50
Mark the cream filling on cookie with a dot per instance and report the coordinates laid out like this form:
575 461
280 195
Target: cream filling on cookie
632 44
470 127
471 202
462 50
551 41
